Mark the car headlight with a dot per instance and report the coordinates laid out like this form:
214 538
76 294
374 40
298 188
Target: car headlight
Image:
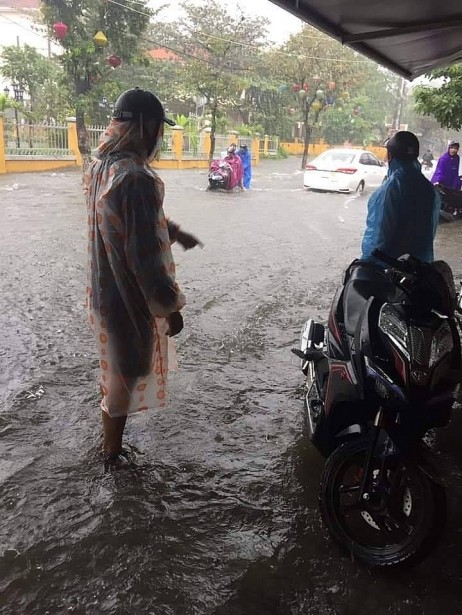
391 323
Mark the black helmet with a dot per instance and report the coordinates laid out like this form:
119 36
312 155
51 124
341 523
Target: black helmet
453 144
137 104
403 145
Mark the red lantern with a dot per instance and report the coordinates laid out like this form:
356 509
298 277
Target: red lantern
296 87
60 29
306 87
114 60
331 86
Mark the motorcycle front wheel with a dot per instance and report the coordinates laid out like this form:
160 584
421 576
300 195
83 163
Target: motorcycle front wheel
397 522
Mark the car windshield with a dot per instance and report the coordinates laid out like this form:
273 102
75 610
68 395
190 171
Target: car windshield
335 158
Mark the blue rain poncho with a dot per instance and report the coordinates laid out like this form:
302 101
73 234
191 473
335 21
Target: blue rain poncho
246 158
403 214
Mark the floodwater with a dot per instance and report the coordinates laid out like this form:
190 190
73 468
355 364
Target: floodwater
218 514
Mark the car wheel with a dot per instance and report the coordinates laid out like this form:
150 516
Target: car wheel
360 188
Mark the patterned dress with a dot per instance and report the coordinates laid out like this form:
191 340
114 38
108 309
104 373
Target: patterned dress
131 273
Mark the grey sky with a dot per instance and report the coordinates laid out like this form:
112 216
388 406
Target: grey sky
283 24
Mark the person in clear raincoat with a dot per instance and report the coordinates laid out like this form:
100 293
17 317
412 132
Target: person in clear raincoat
133 299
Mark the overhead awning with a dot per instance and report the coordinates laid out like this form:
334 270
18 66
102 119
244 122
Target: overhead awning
409 37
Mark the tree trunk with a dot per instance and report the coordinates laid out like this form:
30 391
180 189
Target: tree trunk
83 138
213 132
308 129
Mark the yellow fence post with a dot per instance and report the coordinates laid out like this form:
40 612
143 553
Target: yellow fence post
73 142
177 144
256 148
266 145
2 146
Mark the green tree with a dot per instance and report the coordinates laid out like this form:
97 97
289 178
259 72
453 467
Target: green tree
41 78
318 72
218 53
84 62
442 97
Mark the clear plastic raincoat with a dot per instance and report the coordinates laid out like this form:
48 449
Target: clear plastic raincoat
131 274
403 214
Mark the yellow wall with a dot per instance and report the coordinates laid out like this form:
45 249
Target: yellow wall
29 166
296 149
25 164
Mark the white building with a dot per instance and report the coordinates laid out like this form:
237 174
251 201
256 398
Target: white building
18 26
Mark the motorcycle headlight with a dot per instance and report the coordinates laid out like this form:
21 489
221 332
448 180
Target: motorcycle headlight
442 344
394 327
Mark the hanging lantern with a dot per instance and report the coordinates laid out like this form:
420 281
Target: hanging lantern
316 106
302 94
100 39
320 94
306 87
60 29
296 87
114 60
282 88
331 86
330 100
345 95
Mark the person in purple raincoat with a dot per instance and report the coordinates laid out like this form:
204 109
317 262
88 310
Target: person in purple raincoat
447 169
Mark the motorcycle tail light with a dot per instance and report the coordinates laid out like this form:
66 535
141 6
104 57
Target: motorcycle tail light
310 167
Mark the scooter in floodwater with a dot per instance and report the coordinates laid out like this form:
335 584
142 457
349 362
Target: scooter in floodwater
226 174
385 371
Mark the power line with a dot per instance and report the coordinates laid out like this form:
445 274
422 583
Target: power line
249 45
185 54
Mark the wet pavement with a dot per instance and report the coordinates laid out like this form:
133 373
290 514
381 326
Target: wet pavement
218 515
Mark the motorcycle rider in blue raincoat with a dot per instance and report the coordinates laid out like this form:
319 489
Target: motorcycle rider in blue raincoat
246 158
403 214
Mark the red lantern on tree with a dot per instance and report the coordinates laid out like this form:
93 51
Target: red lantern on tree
114 60
296 87
60 29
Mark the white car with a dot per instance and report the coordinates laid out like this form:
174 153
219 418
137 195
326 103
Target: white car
345 170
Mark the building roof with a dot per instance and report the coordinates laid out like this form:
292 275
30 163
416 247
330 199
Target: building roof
162 54
409 36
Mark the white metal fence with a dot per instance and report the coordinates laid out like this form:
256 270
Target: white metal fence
28 139
52 140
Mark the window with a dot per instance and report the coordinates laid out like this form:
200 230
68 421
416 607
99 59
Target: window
373 160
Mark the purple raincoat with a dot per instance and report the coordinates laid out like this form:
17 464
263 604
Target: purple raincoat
447 172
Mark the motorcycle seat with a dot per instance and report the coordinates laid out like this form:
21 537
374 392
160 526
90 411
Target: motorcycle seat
363 283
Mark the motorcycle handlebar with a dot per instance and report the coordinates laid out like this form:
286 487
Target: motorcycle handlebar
393 262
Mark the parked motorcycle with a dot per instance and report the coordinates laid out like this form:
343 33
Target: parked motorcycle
426 164
386 370
451 203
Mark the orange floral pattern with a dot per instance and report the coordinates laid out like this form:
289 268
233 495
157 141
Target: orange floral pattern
131 273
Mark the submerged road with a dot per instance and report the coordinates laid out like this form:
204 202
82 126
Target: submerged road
218 515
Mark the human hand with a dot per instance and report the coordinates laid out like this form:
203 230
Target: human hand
188 241
175 323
